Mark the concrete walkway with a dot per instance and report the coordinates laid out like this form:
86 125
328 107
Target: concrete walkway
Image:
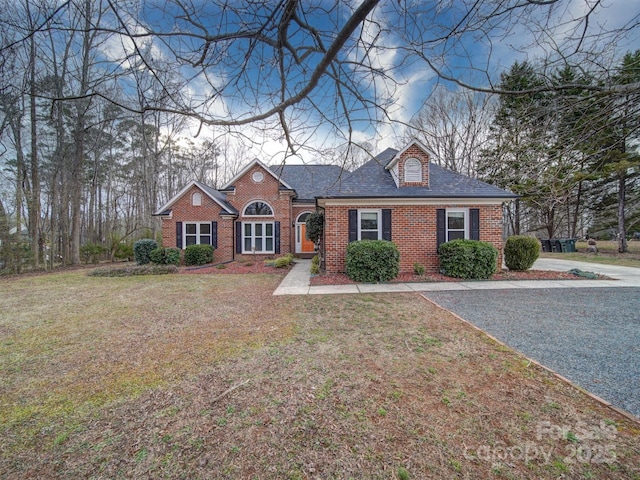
298 279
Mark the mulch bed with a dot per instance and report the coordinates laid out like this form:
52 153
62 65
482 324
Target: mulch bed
342 279
234 268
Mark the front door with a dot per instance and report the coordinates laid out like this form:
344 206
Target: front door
303 244
306 245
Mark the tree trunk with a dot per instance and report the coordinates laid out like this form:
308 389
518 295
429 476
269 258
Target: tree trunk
622 233
34 197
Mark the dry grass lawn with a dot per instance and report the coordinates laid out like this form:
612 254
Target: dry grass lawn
607 254
210 376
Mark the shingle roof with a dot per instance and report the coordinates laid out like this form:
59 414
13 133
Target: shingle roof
373 180
310 181
220 197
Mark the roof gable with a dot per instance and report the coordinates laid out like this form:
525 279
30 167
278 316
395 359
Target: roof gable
212 193
399 153
246 169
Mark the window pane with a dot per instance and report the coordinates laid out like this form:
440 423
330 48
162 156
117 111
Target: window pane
247 244
190 228
247 229
369 235
369 221
455 235
268 229
269 245
205 228
258 244
190 240
258 208
455 220
205 240
303 218
258 227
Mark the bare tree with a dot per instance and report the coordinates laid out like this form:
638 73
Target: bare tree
454 125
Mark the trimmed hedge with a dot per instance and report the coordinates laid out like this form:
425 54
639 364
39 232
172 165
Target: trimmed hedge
165 256
520 252
142 250
198 255
130 271
372 261
469 259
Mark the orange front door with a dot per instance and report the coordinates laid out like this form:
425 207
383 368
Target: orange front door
306 245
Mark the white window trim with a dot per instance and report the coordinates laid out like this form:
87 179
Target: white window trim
417 176
197 195
370 210
244 210
466 222
197 234
264 237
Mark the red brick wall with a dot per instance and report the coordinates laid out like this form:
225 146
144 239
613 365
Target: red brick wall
209 211
413 230
248 191
414 152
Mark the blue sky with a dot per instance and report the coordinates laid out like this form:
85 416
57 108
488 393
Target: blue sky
476 55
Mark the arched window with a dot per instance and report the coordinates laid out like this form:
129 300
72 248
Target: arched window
258 209
303 217
413 170
196 199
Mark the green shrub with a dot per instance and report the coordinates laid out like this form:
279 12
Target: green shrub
468 259
285 261
520 252
418 269
315 226
372 261
124 251
142 250
133 270
165 256
198 254
315 265
90 252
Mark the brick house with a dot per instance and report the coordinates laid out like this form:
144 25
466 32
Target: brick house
398 195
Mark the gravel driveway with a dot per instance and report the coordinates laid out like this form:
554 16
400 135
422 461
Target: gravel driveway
591 336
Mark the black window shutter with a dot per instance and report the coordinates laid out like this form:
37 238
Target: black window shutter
474 214
179 235
441 230
214 235
353 225
386 224
238 237
277 236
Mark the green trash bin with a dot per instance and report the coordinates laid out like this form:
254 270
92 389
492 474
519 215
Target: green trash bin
563 245
567 245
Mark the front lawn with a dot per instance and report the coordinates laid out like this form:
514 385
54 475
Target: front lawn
210 376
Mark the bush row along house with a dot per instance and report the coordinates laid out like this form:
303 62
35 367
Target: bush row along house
400 195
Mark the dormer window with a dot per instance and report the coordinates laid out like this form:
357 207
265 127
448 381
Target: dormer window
412 171
196 199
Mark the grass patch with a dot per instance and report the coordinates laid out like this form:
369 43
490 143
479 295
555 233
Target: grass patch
186 376
607 254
